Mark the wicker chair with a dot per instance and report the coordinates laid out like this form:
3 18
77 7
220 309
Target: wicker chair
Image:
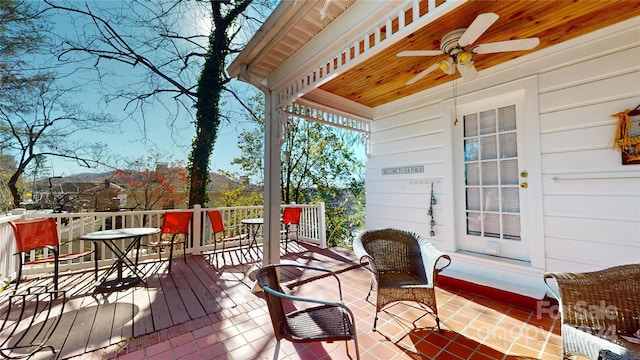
403 266
324 321
596 307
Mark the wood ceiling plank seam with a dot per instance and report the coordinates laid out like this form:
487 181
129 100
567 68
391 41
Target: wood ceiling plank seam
289 93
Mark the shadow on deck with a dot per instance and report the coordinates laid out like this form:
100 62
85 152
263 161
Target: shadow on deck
203 286
201 311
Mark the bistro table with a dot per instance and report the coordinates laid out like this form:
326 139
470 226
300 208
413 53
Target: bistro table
111 239
253 224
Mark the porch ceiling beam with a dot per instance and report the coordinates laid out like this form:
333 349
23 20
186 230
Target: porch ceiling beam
388 31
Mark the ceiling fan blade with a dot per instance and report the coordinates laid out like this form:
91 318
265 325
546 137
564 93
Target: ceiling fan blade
481 23
424 73
468 71
420 53
509 45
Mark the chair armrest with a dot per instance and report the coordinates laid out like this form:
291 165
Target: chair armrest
330 272
547 277
431 258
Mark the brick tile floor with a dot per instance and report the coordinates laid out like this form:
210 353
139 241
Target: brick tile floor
473 327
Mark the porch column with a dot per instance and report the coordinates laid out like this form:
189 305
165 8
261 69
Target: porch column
271 243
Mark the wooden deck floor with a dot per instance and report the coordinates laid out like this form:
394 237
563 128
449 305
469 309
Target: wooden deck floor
194 289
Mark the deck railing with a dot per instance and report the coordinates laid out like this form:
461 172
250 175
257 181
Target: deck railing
73 225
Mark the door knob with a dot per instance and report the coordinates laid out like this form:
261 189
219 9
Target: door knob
524 185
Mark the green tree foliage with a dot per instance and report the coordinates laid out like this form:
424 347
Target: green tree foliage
318 163
239 193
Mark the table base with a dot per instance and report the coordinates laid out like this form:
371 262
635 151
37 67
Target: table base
118 284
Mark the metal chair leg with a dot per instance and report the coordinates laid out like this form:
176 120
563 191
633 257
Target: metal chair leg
275 353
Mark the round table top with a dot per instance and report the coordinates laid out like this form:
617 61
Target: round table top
120 233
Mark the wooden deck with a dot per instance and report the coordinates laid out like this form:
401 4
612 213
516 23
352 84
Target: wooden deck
194 289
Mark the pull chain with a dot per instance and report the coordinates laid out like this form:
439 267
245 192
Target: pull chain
455 102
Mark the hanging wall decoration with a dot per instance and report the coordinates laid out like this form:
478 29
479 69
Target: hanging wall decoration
627 136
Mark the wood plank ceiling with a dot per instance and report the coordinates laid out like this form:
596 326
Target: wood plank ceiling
381 79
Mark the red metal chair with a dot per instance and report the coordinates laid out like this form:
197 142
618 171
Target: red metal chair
40 234
291 220
217 226
173 224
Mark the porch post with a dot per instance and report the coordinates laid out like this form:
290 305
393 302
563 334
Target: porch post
271 243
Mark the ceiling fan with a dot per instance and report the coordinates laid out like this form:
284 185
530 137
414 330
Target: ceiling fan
457 44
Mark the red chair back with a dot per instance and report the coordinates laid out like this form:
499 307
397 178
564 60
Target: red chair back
176 222
35 234
291 215
216 221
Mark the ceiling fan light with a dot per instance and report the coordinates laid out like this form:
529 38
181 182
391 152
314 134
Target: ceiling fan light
446 65
463 58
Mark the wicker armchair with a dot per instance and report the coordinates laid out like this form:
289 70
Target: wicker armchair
403 266
314 320
596 308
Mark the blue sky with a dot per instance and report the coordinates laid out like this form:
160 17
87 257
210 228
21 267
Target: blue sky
168 135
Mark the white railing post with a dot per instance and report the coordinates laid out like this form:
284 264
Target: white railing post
197 232
322 226
8 261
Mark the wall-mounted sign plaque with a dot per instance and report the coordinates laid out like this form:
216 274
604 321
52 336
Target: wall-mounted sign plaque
403 170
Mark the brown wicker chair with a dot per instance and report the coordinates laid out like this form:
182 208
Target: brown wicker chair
596 307
403 266
326 321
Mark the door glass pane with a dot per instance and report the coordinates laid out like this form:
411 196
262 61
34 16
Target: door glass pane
507 118
511 227
508 146
472 173
487 122
488 147
490 173
471 149
473 199
490 199
509 172
474 225
511 200
471 125
491 223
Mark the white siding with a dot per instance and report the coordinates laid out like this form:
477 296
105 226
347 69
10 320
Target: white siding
590 201
414 137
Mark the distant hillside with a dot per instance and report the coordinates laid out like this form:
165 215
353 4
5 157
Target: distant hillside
216 181
83 177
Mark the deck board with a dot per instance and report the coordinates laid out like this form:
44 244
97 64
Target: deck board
197 288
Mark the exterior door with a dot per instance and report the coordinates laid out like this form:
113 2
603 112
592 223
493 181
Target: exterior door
490 178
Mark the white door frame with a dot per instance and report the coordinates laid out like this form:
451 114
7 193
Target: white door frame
532 224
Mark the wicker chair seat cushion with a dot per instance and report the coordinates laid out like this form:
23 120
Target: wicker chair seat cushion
579 342
318 323
403 281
